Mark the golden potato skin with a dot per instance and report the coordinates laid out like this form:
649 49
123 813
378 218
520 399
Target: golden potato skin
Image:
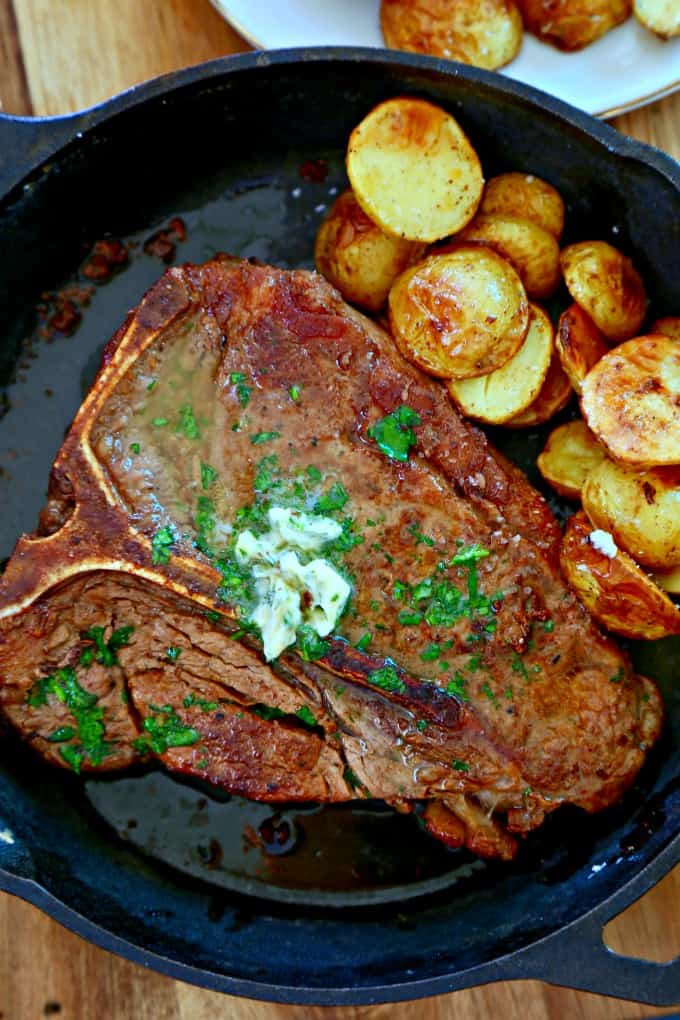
568 457
357 257
413 170
573 24
607 286
553 397
533 251
660 16
579 344
669 580
614 589
484 33
525 196
631 401
500 395
639 508
461 314
669 325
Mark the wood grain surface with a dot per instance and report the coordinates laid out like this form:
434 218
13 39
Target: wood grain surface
62 55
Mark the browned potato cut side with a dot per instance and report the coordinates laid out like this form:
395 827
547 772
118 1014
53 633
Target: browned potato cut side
569 455
500 395
579 344
573 24
612 587
669 580
484 33
554 396
526 196
631 401
357 257
461 314
533 251
413 170
669 325
639 508
607 286
660 16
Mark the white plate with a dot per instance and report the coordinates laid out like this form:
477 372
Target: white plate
626 68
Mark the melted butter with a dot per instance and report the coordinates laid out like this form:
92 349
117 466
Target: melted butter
291 593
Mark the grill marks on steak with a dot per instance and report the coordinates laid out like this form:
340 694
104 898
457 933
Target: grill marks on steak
528 737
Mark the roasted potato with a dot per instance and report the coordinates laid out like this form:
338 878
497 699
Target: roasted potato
669 325
660 16
533 251
579 344
500 395
572 24
607 286
413 170
570 454
554 395
527 197
639 508
612 587
484 33
461 314
669 580
357 257
631 401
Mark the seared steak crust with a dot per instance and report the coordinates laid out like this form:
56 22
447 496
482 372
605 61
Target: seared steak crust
514 707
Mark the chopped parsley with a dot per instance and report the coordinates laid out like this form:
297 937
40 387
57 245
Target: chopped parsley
314 473
393 433
103 651
549 626
474 663
456 688
211 615
294 393
305 716
419 537
160 422
152 385
135 448
205 706
460 766
163 730
430 653
310 645
469 554
267 712
173 653
409 618
90 729
351 779
334 499
238 379
488 693
518 666
204 522
62 734
387 679
187 424
421 725
208 476
264 437
618 676
161 545
364 641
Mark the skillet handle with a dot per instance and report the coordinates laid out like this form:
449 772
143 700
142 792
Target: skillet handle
26 142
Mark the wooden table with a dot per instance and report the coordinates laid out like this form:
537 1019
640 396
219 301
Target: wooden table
62 55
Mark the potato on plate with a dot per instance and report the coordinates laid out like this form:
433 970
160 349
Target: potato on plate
553 397
669 580
484 33
607 286
359 258
579 344
533 251
526 196
500 395
641 509
660 16
669 325
612 587
461 314
413 170
631 401
570 454
572 24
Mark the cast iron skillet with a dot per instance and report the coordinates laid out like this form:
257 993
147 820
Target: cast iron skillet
223 145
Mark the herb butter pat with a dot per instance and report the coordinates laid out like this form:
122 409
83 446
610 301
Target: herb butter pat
290 592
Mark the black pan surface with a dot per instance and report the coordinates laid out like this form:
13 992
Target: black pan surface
335 904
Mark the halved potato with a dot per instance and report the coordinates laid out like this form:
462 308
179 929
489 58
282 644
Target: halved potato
413 170
660 16
641 509
500 395
572 24
631 401
526 196
484 33
579 344
669 580
571 453
461 314
553 397
612 587
669 325
533 251
607 286
359 258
